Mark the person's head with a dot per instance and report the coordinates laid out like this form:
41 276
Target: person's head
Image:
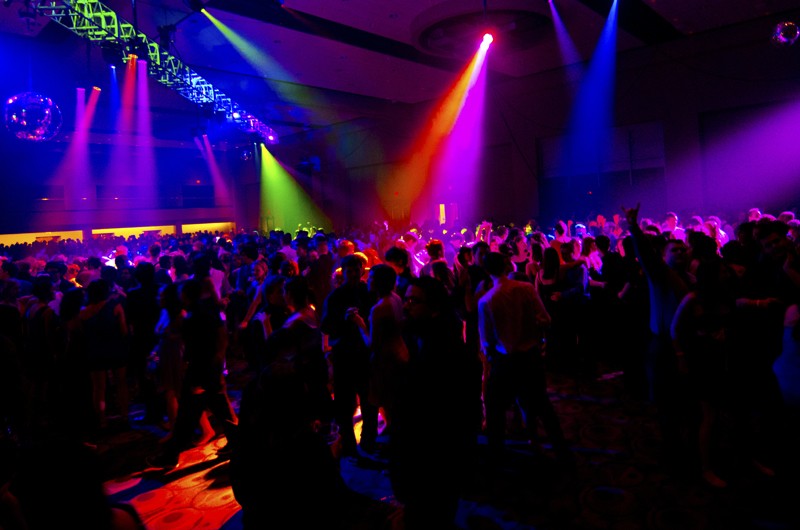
249 253
382 280
56 270
191 291
588 245
551 262
321 244
145 273
772 237
71 303
435 249
120 261
296 292
568 251
260 270
352 268
464 256
72 271
675 254
43 288
9 291
603 243
345 247
496 264
701 245
444 274
794 230
109 274
397 258
786 216
273 290
671 221
9 269
154 251
753 214
479 252
519 246
93 263
169 299
97 291
165 262
561 228
425 298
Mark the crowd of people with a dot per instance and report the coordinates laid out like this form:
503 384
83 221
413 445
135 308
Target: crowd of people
406 325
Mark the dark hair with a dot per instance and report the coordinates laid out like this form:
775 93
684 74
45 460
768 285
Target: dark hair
436 297
97 291
495 264
191 290
551 262
298 291
273 283
93 262
383 279
461 256
603 242
71 303
181 265
249 250
351 260
109 274
60 266
172 299
435 248
43 288
766 228
10 268
396 255
480 244
444 274
145 273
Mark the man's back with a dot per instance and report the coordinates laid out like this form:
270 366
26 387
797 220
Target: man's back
512 314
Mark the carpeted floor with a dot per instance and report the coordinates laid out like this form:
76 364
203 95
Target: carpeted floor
618 483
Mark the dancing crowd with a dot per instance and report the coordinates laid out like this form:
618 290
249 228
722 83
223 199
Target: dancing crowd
438 331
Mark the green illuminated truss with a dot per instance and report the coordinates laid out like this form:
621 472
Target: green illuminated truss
92 20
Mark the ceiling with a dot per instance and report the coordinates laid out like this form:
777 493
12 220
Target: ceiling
312 52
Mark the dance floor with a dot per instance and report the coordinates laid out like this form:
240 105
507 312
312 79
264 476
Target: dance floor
618 483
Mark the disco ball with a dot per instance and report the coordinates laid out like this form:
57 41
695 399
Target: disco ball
785 34
33 117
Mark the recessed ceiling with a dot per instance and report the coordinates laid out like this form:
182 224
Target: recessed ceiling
391 50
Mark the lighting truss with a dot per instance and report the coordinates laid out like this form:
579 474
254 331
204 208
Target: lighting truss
96 22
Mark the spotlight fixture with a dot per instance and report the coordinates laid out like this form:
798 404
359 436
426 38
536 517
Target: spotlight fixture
785 34
487 41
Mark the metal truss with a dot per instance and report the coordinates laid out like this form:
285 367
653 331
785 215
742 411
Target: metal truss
96 22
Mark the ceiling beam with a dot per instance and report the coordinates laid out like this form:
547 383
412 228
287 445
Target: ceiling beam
638 19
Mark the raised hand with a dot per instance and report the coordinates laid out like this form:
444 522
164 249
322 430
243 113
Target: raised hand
632 215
